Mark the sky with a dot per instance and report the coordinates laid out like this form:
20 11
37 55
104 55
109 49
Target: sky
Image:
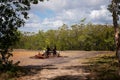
54 13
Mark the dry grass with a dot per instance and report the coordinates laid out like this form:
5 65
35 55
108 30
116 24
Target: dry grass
104 67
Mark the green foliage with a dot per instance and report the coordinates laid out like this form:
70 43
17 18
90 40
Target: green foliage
9 70
77 37
12 16
115 6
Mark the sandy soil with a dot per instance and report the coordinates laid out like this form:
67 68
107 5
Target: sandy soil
67 67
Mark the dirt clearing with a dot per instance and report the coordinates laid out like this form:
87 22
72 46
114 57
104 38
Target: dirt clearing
69 66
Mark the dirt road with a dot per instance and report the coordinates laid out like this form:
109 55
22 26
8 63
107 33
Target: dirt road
67 67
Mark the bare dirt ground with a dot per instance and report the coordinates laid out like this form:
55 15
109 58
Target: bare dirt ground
67 67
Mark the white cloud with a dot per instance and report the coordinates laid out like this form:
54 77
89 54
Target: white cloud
33 25
68 12
98 16
46 24
34 18
57 23
67 15
53 23
95 14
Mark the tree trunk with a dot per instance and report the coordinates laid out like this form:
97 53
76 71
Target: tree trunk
116 29
3 56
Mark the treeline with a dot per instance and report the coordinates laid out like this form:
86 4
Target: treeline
76 37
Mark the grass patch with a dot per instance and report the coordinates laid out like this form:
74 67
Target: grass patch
104 67
12 72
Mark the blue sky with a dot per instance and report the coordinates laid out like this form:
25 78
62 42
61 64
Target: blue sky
54 13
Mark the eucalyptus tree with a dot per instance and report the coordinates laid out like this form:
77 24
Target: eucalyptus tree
114 8
12 16
63 37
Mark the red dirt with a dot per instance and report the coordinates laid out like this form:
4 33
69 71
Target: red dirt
48 69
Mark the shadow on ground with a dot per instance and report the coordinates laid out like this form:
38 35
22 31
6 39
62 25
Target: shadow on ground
70 77
100 68
34 69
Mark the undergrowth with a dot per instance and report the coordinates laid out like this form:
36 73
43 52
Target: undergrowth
104 67
11 72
